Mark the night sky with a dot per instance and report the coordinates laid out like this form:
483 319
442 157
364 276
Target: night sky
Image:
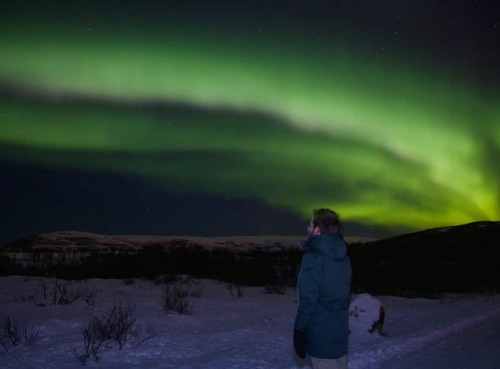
219 118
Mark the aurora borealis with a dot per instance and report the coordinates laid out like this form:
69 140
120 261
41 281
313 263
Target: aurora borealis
387 113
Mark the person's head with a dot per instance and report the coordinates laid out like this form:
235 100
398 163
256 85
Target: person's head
324 220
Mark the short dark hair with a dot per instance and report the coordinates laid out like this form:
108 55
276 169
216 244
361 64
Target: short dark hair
327 220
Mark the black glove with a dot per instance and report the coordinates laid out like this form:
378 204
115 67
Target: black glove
299 343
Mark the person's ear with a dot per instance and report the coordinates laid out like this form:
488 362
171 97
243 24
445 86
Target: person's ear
316 230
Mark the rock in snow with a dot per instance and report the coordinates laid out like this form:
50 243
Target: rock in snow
366 313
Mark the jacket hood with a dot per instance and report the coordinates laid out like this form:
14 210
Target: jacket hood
330 245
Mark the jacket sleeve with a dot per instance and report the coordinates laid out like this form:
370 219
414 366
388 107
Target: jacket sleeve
308 289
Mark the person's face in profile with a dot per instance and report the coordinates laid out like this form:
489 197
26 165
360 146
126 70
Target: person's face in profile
312 230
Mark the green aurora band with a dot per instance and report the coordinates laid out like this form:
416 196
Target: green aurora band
386 141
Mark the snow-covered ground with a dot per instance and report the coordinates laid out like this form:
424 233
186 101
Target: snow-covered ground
252 331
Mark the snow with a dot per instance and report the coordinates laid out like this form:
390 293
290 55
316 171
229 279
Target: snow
252 331
364 310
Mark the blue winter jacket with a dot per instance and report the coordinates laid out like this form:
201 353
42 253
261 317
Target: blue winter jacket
324 289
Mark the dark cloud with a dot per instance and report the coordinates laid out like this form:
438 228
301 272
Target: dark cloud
36 199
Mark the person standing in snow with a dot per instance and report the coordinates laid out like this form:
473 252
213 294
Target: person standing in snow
321 325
